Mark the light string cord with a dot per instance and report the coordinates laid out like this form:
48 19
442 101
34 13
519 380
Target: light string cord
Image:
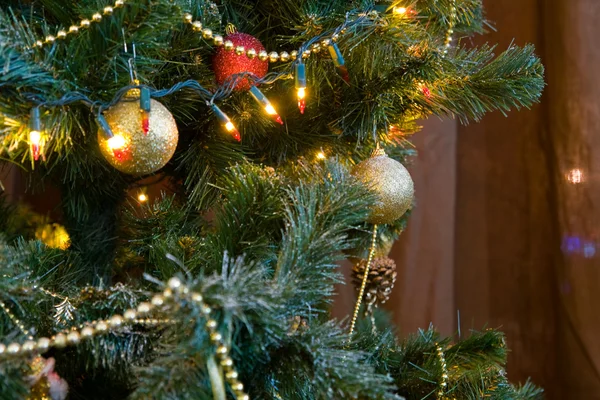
333 33
223 91
228 87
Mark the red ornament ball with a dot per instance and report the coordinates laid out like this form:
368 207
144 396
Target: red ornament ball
227 63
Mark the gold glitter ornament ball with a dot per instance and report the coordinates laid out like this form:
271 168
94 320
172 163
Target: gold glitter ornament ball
131 150
392 184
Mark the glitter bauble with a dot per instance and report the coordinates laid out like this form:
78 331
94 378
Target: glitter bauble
131 150
392 184
227 62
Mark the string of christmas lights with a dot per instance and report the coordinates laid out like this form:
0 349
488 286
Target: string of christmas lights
36 138
297 70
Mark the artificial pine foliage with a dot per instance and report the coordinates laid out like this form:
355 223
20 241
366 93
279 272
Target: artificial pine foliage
221 287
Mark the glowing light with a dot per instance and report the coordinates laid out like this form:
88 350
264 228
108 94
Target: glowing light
145 122
264 101
575 176
301 93
116 142
226 122
300 76
34 138
270 110
301 99
589 249
425 90
142 198
231 129
400 10
53 235
580 246
321 155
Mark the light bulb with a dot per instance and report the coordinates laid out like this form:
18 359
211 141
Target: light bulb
34 138
400 10
301 93
142 197
300 76
301 99
226 122
262 99
320 155
270 109
232 129
116 142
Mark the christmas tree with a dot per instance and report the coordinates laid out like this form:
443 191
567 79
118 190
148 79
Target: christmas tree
278 131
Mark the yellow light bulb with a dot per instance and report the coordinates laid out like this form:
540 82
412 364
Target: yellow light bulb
321 155
270 110
301 93
400 10
34 138
116 142
142 197
229 126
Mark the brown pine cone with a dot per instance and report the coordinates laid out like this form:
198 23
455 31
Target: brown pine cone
380 282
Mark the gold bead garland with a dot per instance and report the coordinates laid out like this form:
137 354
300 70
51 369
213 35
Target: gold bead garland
444 380
272 56
197 26
86 331
363 285
84 23
450 30
206 33
16 321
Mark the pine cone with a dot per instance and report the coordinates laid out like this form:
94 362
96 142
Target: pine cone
380 281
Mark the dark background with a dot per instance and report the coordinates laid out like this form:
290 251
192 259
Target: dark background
505 233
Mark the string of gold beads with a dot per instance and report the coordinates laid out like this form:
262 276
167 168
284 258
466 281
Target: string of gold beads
444 380
221 349
139 315
207 34
51 294
83 24
263 55
450 30
363 285
16 321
